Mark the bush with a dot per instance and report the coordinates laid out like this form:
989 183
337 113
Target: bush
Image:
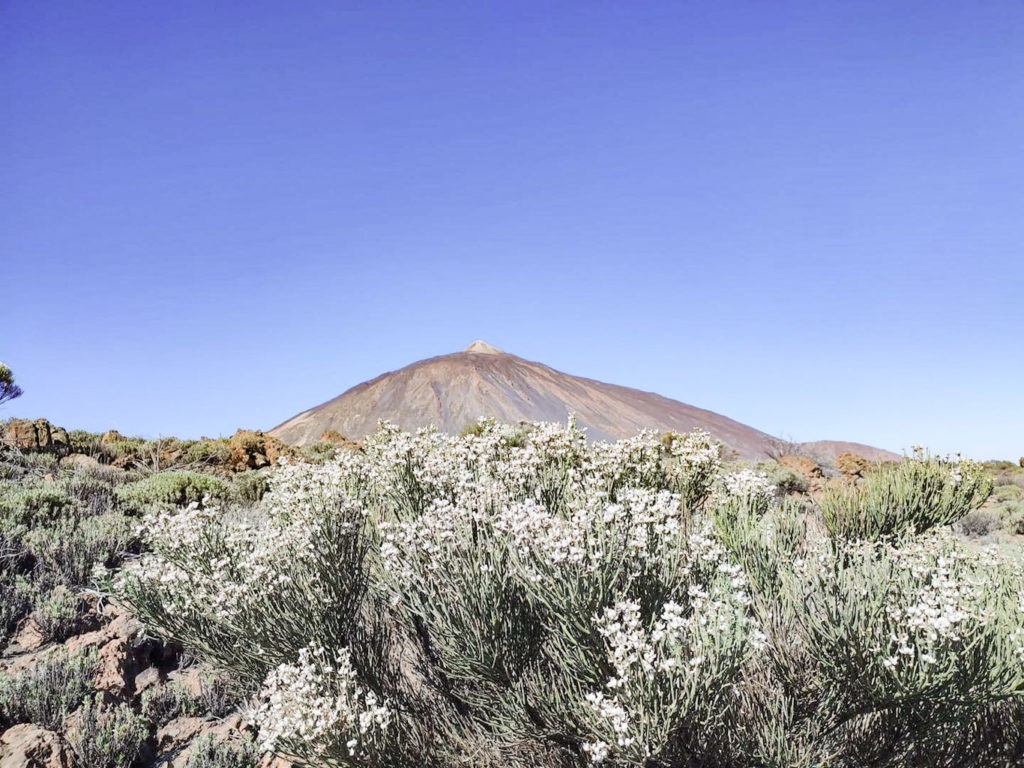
40 463
786 479
250 486
84 442
911 496
1007 503
15 603
169 489
163 703
214 453
15 593
207 752
90 492
48 691
219 694
34 506
979 523
319 452
107 736
59 613
68 550
125 450
519 597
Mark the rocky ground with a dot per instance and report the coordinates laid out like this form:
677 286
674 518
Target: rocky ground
151 677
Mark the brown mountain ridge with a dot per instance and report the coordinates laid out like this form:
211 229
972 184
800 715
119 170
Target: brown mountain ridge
456 390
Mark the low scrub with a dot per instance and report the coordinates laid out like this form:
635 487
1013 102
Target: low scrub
48 691
904 498
174 488
519 597
164 703
107 735
208 752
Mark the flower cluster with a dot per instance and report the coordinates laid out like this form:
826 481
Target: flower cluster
209 563
749 484
690 648
946 598
318 704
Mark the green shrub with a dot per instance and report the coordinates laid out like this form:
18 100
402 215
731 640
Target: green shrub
131 448
319 452
107 736
68 550
250 486
10 469
15 593
979 523
786 479
15 603
913 495
90 492
59 613
48 691
164 703
207 752
1007 503
209 452
219 694
85 442
34 505
173 488
40 463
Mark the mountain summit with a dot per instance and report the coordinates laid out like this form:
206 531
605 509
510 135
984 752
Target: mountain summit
453 391
483 348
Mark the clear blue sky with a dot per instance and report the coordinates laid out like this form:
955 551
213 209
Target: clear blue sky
806 216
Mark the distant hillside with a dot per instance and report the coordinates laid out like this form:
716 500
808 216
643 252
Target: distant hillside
453 391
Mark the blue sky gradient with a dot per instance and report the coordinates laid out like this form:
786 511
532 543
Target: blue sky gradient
805 216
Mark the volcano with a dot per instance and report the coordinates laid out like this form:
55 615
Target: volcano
453 391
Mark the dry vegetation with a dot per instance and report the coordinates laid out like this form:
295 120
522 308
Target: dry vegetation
507 597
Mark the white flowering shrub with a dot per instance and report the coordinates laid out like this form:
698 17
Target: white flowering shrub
516 596
247 591
908 639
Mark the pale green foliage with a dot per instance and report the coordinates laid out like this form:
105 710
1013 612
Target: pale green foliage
786 479
169 489
107 736
915 635
58 612
250 486
1007 505
519 597
33 505
47 691
207 752
162 703
15 602
906 497
15 593
55 527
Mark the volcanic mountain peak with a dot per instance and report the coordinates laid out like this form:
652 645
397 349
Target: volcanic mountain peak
453 391
483 348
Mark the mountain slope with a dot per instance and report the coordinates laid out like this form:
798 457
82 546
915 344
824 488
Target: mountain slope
452 391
